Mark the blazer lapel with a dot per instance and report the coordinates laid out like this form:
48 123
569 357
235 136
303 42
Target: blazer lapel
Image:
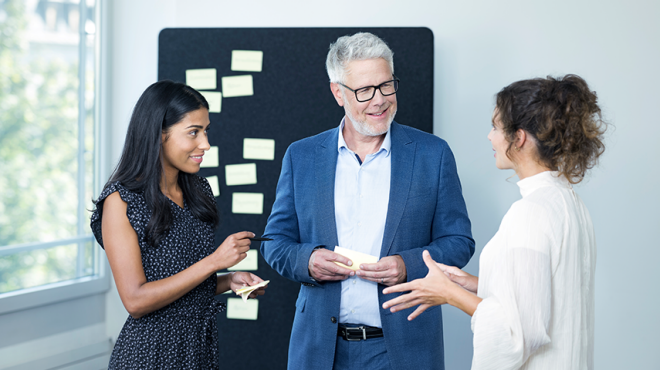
403 158
326 167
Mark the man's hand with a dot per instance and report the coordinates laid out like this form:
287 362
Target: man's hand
322 266
388 271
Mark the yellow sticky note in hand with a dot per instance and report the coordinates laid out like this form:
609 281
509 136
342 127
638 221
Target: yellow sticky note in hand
358 258
245 292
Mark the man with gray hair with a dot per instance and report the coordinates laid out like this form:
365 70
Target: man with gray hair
375 188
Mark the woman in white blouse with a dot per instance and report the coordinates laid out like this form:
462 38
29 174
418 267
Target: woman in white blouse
533 305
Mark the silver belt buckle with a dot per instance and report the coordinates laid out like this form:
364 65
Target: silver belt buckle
364 333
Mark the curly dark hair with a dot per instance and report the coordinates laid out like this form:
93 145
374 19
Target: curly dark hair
563 117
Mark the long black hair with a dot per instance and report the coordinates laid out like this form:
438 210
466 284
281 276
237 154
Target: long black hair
140 168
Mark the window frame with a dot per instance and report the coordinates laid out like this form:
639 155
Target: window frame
99 282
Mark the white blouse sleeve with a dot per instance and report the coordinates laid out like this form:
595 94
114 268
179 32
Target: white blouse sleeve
513 319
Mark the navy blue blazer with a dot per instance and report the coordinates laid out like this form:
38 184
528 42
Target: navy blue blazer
426 212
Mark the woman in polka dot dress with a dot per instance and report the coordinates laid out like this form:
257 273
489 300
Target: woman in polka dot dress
155 220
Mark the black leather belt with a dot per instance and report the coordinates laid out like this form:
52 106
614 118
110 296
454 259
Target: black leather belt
362 332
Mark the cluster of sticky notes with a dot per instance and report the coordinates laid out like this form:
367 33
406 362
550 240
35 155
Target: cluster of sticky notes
356 257
205 80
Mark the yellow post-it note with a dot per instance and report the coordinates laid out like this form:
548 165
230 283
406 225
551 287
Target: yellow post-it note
237 309
249 203
249 263
358 258
245 292
215 185
211 158
241 174
247 60
259 149
251 288
202 79
237 86
214 98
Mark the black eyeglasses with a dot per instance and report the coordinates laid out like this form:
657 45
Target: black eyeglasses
367 93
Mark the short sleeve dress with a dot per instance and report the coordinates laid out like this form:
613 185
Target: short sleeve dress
183 334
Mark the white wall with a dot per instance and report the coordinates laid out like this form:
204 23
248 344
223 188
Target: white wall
481 46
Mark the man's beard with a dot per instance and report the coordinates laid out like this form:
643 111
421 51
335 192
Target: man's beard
363 128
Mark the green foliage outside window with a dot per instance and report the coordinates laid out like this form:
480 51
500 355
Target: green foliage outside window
38 157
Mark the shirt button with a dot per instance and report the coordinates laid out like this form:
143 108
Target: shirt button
333 319
352 311
359 223
354 281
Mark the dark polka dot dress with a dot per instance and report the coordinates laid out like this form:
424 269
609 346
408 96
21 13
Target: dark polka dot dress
182 335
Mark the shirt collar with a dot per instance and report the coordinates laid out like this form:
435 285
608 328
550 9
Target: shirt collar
546 178
386 145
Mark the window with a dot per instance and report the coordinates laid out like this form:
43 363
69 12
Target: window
48 119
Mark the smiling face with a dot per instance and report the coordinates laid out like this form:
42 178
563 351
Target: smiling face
185 142
500 144
373 117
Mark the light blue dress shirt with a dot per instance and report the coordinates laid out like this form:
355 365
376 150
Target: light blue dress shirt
362 192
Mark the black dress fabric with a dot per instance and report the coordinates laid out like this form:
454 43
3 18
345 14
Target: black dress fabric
183 334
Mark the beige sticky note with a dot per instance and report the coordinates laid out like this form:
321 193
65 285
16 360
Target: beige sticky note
248 203
247 60
211 158
214 98
251 288
202 79
357 258
259 149
245 292
249 263
215 185
237 309
233 86
241 174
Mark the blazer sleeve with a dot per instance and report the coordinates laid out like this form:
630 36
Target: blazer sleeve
451 235
285 253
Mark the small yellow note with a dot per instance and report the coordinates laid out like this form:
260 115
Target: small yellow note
249 263
202 79
245 292
247 60
251 288
215 185
259 149
237 309
214 98
237 86
358 258
211 158
248 203
241 174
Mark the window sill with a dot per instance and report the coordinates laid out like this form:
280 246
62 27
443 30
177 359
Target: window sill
51 293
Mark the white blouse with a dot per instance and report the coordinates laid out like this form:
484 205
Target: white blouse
536 279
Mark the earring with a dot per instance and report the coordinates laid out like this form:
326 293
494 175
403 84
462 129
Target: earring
516 148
